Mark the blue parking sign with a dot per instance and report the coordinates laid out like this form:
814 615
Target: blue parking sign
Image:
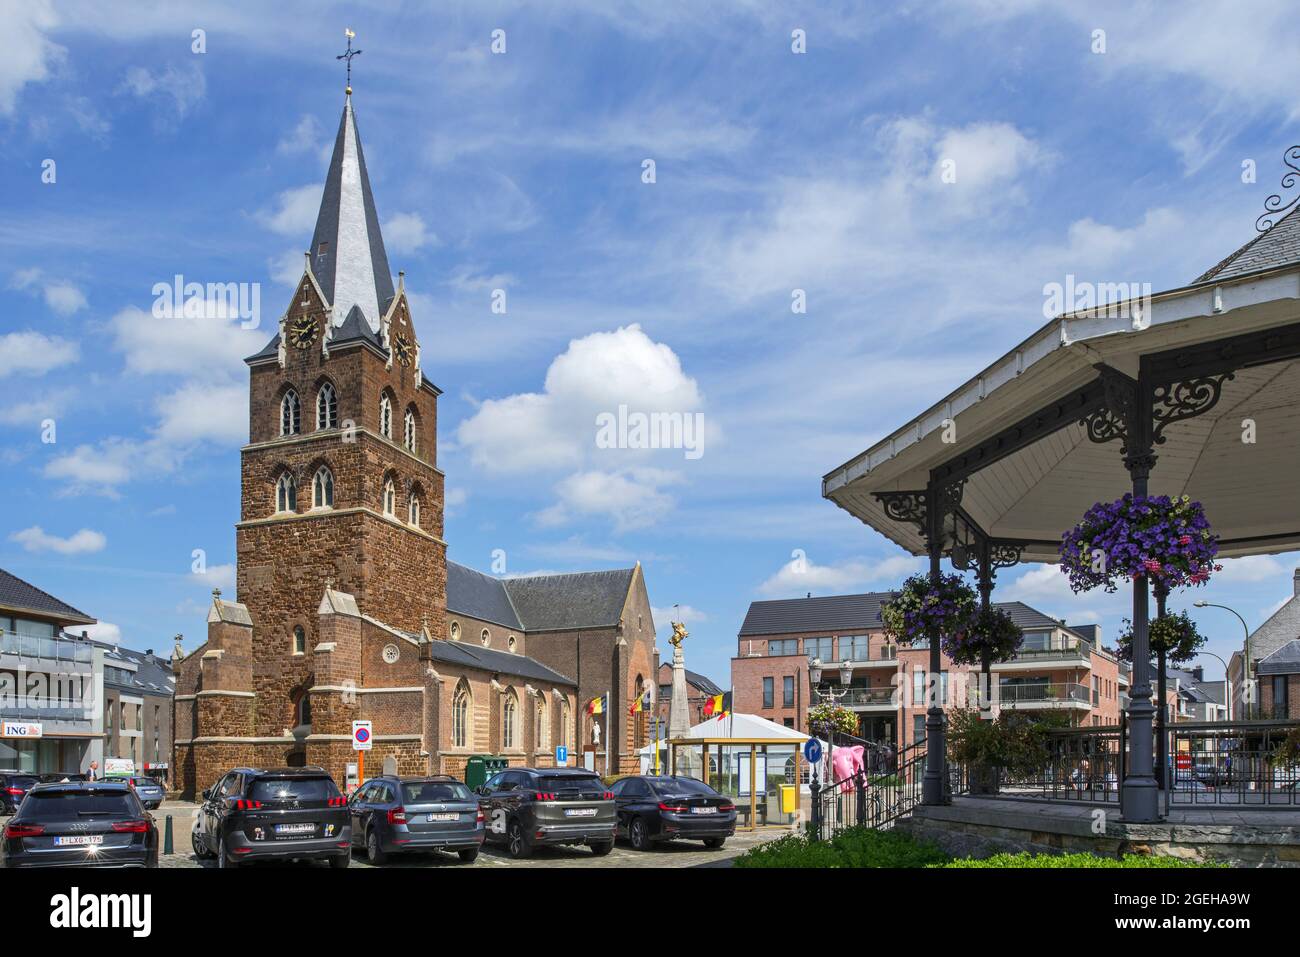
561 754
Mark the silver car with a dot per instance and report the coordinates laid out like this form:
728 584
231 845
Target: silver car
532 807
148 790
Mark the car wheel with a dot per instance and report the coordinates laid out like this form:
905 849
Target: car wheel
340 861
200 849
601 848
374 852
224 859
637 835
714 842
468 856
517 841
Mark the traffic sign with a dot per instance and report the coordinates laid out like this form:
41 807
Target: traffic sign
561 755
812 750
361 735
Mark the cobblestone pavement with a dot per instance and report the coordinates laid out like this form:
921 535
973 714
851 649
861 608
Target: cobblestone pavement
674 854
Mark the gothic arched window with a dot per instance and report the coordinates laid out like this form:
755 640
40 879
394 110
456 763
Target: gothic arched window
290 414
510 720
286 493
539 725
327 407
390 498
385 416
408 436
299 640
322 489
460 711
413 511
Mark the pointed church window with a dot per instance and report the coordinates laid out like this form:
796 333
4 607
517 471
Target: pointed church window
385 417
322 489
390 498
286 494
460 717
327 408
410 430
509 720
299 640
290 414
413 511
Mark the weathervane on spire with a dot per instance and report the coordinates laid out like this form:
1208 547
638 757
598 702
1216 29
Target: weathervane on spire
348 56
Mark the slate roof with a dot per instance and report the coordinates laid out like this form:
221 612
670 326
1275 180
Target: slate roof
354 328
352 266
1279 246
566 602
701 682
18 594
845 614
1213 691
1284 661
472 593
153 675
489 659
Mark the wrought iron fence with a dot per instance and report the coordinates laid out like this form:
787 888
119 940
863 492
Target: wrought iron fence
1082 764
1231 763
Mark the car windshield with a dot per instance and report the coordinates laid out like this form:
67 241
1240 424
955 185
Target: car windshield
21 781
682 786
433 792
145 781
76 805
293 789
568 782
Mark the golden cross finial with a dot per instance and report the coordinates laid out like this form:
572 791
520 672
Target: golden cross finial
348 56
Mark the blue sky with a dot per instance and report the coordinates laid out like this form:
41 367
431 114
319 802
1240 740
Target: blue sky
523 171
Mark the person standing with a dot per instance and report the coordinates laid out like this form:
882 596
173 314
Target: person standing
93 773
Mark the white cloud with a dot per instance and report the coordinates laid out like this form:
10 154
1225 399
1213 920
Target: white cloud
294 211
405 233
100 469
168 345
104 631
556 428
34 353
216 576
801 575
32 412
632 499
29 54
36 539
181 86
61 296
453 498
686 614
287 268
199 411
1252 568
304 137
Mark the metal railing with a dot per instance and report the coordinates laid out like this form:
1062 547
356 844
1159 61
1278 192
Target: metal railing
1042 693
49 649
1070 648
885 695
1231 764
1081 764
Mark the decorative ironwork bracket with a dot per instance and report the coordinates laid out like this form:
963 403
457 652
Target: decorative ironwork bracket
910 507
1176 401
1117 414
1274 207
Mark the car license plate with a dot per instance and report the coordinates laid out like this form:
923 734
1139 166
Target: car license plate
442 817
78 840
579 812
295 829
704 810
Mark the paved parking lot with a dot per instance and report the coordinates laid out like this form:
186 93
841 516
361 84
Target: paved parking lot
674 854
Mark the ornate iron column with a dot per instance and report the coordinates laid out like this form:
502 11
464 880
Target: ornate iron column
1162 710
985 581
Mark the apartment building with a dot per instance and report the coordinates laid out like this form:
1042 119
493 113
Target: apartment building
1059 668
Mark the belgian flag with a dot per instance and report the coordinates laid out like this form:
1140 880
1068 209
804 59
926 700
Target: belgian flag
596 705
642 703
718 706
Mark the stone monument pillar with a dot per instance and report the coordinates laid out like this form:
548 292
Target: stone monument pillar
679 713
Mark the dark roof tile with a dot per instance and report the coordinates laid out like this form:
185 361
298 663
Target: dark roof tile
16 593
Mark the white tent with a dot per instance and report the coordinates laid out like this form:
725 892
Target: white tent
740 726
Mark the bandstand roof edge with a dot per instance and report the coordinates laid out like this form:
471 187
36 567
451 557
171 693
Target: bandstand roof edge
1040 488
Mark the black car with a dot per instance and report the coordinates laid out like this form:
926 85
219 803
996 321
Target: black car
13 788
81 824
530 807
261 813
664 808
392 814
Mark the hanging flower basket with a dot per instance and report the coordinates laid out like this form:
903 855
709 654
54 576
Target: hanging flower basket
923 611
1167 540
994 631
827 718
1175 635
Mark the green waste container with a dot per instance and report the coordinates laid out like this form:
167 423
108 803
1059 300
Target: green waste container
480 767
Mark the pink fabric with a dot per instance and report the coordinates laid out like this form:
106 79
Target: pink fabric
846 762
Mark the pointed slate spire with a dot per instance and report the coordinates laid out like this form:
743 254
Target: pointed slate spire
347 250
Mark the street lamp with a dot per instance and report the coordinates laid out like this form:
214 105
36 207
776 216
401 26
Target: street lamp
832 697
1227 683
1245 655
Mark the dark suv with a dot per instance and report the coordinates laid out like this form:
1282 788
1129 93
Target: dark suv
259 813
14 786
530 807
391 814
81 824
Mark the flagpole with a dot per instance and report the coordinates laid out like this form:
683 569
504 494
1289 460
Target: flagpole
608 743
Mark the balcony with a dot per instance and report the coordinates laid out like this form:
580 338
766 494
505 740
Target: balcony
1067 653
866 699
1045 695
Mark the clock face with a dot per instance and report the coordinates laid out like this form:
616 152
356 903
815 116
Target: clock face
403 348
302 332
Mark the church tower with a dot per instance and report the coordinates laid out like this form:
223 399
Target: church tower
340 484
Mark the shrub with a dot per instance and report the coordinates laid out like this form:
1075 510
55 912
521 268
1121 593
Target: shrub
1081 859
853 847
